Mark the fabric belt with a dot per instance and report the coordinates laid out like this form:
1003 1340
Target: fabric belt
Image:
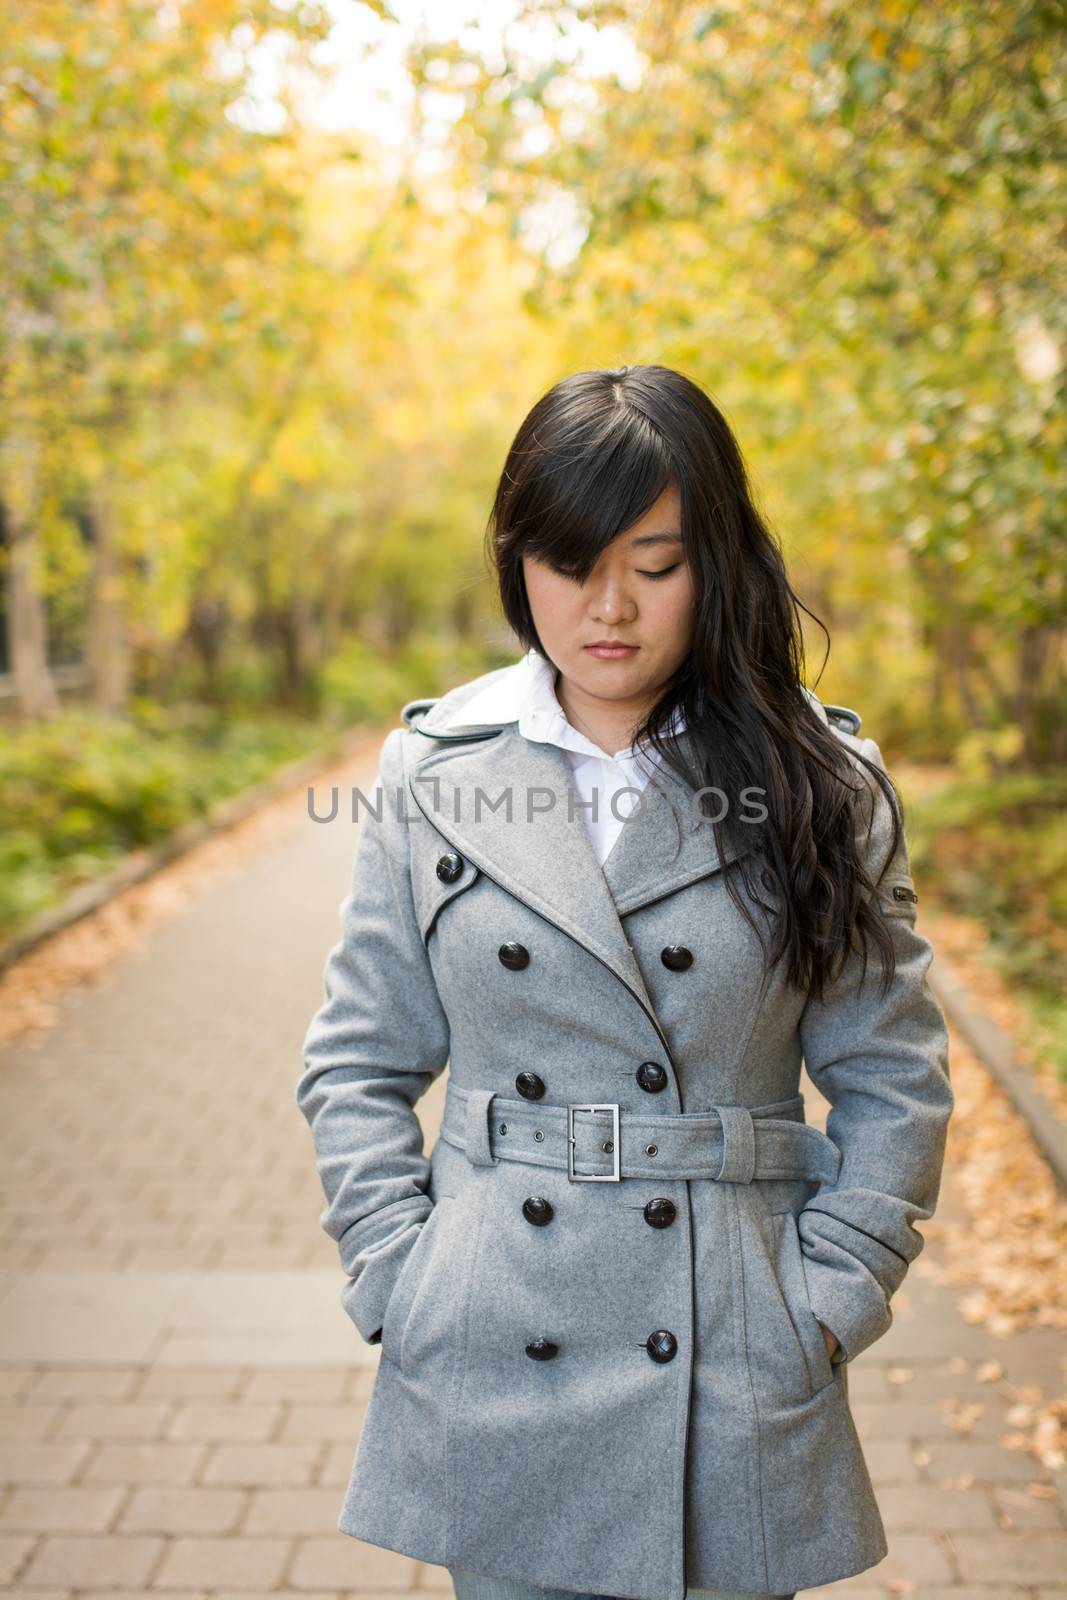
729 1144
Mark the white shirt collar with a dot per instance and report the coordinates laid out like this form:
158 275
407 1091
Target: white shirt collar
525 693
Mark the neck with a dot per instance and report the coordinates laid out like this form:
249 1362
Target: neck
611 724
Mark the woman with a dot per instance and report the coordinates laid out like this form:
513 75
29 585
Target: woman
617 1304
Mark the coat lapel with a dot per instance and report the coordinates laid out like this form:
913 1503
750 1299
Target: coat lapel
665 845
546 859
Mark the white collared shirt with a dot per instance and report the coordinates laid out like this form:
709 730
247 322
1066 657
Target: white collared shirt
525 693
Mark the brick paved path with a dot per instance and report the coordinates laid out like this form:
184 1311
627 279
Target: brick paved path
182 1391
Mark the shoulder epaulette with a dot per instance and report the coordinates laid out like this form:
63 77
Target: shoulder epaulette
844 717
416 708
412 713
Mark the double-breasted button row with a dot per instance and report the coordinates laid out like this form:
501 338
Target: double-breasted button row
661 1346
516 956
658 1213
650 1076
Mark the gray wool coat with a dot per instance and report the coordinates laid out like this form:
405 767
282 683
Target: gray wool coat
609 1378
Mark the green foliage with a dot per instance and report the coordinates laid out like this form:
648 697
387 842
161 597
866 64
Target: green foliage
81 791
360 684
995 848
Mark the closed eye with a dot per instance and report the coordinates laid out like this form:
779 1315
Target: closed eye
664 572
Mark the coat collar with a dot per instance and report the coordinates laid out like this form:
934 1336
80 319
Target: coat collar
547 859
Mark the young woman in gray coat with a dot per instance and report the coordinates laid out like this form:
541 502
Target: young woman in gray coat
624 888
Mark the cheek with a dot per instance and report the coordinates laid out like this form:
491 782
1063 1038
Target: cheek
552 600
675 615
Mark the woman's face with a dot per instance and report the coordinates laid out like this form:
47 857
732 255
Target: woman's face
640 593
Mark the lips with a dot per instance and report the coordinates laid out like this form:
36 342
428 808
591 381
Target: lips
609 649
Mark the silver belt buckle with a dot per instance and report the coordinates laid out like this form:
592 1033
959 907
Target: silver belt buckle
615 1175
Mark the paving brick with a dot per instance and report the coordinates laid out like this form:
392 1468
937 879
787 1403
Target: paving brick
336 1423
156 1462
926 1509
253 1465
937 1382
433 1579
132 1419
338 1561
79 1258
337 1465
847 1586
918 1558
14 1553
955 1591
326 1385
226 1424
1011 1557
908 1419
295 1511
199 1510
92 1563
986 1463
21 1421
891 1461
41 1463
18 1593
230 1563
138 1594
204 1383
15 1382
276 1594
84 1383
61 1510
1019 1509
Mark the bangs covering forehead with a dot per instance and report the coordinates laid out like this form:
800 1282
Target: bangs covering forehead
590 479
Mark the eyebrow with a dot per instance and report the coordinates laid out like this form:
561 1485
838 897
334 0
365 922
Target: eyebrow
658 538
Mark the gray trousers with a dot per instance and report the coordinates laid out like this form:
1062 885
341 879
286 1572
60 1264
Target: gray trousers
473 1586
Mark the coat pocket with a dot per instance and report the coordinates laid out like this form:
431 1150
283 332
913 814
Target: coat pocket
401 1306
788 1315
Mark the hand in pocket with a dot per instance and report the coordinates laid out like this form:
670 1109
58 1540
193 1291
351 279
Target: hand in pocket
829 1339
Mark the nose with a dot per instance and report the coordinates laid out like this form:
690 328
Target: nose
610 603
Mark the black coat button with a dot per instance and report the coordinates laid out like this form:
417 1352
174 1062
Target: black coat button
661 1345
677 957
514 956
450 867
661 1212
652 1077
538 1210
542 1350
530 1086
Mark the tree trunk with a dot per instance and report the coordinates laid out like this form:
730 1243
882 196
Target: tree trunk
108 652
27 632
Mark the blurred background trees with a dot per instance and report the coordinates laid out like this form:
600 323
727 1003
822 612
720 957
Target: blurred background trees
280 279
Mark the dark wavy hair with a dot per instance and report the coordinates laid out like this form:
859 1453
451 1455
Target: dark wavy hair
591 458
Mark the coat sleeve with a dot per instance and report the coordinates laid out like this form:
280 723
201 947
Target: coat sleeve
373 1048
882 1063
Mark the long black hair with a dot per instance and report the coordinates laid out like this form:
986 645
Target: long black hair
591 458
